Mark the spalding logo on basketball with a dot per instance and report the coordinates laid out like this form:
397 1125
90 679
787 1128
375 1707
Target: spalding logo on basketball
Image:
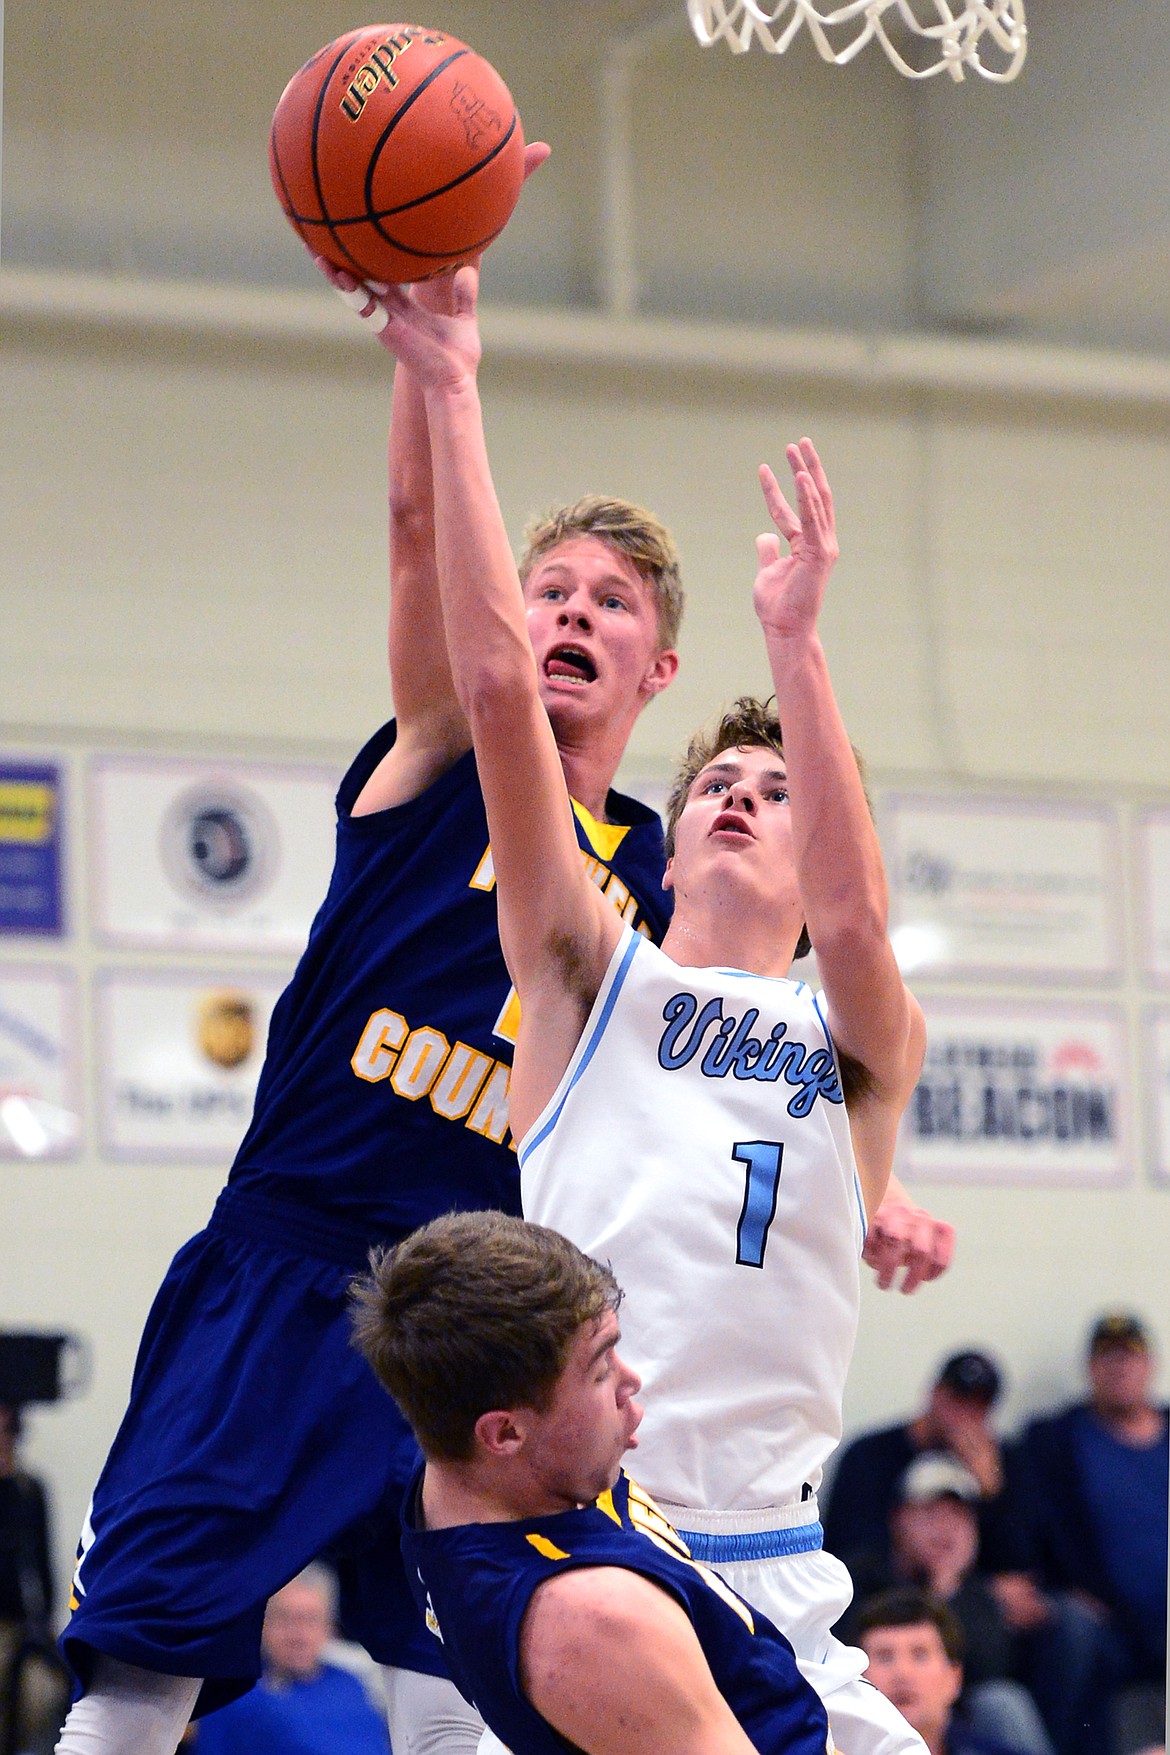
396 152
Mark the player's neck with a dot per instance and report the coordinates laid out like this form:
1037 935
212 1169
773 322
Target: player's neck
454 1493
590 763
714 933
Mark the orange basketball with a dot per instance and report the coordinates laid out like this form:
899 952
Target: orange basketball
396 152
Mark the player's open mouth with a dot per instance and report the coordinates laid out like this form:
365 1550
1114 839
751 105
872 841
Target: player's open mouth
732 821
570 664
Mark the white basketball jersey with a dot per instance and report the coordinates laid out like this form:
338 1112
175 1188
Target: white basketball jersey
698 1142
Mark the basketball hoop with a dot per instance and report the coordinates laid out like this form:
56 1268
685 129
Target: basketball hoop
988 36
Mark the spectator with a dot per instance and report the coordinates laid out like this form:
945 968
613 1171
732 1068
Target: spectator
955 1421
31 1680
934 1540
302 1705
1095 1479
915 1651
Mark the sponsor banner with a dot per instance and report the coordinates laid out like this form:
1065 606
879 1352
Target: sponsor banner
1158 1090
1153 863
1019 1093
179 1057
992 888
30 848
195 855
38 1063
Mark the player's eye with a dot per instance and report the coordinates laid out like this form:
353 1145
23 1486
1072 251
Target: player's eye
612 601
780 794
713 785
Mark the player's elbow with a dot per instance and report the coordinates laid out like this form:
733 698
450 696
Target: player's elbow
852 930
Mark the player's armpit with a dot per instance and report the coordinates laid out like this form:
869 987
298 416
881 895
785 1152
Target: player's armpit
613 1663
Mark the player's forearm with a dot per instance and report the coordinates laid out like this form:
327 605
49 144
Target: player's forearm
483 609
835 846
420 674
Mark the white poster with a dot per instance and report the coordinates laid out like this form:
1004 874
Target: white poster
1157 1072
987 888
198 855
1154 878
179 1056
38 1063
1019 1093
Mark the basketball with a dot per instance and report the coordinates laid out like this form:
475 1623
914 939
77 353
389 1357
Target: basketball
396 152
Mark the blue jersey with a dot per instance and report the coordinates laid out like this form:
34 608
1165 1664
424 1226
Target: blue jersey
384 1094
473 1583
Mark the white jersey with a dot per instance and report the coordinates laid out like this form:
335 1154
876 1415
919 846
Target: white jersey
698 1142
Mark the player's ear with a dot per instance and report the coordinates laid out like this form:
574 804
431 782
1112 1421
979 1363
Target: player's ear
499 1433
668 874
660 672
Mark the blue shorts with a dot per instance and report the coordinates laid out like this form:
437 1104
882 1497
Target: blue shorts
255 1440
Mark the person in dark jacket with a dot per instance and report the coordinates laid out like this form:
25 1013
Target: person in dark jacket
1095 1480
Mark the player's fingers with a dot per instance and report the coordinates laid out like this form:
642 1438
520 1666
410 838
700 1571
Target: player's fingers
883 1253
535 154
784 518
816 469
465 291
767 549
942 1249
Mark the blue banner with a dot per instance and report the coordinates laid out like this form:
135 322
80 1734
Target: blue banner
30 849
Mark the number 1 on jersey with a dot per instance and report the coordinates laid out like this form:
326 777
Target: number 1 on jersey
763 1159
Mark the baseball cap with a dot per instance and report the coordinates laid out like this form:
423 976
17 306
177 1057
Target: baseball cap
935 1476
973 1375
1118 1328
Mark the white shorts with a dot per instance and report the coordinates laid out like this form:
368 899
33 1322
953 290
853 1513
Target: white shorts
803 1594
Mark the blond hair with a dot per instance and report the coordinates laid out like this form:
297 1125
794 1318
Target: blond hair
631 530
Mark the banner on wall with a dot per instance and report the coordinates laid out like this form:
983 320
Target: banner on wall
1019 1093
1158 1090
192 855
179 1057
30 848
1153 863
990 888
38 1063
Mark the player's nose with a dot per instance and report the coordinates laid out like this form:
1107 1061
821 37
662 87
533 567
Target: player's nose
743 797
576 611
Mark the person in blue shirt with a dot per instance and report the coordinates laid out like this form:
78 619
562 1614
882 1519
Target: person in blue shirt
566 1606
303 1704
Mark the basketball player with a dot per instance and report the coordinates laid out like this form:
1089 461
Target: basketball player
567 1606
717 1134
255 1437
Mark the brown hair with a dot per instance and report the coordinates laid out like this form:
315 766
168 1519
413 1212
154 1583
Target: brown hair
630 529
474 1311
911 1608
748 723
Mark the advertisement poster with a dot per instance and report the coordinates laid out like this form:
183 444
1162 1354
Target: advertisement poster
30 848
1153 864
38 1063
1158 1091
179 1054
194 855
1019 1093
991 888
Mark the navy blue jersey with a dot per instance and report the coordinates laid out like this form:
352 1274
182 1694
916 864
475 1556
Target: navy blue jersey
474 1582
383 1097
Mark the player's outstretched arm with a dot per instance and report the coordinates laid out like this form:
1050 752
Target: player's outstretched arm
614 1665
556 929
432 730
842 882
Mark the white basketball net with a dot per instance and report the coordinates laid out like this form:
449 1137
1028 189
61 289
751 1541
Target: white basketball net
988 36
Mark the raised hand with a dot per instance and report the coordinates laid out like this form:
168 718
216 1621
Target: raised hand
790 587
440 345
372 299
